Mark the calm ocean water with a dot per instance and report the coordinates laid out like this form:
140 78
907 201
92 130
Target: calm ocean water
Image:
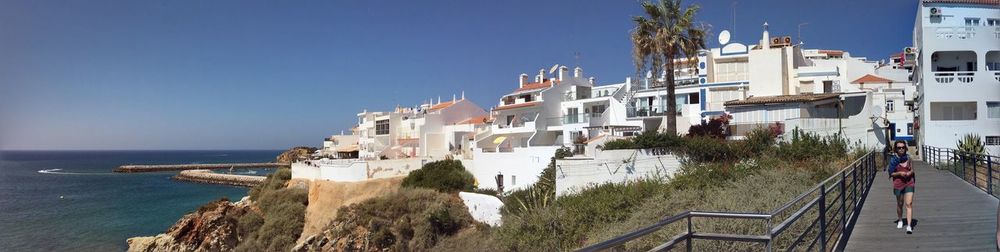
70 200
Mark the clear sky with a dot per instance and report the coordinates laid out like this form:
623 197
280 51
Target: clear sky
275 74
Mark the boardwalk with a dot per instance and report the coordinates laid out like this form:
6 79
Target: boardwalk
950 214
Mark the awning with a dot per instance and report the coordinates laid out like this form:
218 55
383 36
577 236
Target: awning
499 139
351 148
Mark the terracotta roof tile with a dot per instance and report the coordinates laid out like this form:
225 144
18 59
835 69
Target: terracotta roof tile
536 85
832 52
441 106
476 120
869 78
519 105
781 99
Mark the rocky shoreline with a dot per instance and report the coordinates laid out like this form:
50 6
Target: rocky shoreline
212 227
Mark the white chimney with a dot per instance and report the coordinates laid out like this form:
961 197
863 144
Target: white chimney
591 80
765 39
523 79
541 75
578 72
563 72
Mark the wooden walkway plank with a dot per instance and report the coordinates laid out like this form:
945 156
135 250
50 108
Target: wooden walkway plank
949 214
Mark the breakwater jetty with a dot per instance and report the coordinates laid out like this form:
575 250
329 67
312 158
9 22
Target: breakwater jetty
209 177
181 167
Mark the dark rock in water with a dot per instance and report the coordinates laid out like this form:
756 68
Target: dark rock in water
214 227
295 154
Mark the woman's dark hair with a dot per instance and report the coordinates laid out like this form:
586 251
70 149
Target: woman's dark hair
898 142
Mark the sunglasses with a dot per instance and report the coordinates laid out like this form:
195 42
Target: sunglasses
900 148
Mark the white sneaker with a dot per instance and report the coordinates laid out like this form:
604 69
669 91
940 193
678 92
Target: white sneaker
899 223
909 229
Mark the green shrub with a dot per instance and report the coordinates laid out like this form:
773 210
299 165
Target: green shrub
274 181
284 217
410 219
809 146
707 149
444 176
619 144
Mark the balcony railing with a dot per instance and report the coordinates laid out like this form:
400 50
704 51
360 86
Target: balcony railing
952 76
955 32
650 111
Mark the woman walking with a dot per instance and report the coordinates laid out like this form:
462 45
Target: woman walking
901 173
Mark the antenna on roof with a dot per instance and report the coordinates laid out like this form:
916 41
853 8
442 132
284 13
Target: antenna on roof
553 69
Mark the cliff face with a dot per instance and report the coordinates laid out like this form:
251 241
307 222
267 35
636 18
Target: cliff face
295 154
213 227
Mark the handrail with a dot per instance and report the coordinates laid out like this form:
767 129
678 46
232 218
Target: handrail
859 174
981 164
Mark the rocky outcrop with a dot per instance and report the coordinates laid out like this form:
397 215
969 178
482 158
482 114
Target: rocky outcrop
213 227
295 154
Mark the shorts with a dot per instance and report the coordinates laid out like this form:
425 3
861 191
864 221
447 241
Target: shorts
900 192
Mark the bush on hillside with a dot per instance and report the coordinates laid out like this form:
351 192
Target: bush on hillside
619 144
281 218
274 181
282 221
410 219
810 146
444 176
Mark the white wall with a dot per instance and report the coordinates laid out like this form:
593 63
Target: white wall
612 166
523 165
483 208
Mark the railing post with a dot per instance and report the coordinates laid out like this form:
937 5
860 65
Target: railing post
989 177
966 178
689 234
822 216
975 170
854 189
843 200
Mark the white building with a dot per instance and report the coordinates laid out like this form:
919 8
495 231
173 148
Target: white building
958 71
540 116
431 130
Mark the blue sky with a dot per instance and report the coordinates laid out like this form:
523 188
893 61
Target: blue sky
275 74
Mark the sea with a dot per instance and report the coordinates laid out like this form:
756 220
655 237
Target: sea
71 201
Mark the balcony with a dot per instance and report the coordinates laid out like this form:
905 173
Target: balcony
952 76
955 32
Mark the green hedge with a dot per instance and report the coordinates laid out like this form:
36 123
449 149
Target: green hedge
444 176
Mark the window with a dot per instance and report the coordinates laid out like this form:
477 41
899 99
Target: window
992 140
952 111
827 87
382 127
890 106
992 22
971 21
993 110
909 128
694 98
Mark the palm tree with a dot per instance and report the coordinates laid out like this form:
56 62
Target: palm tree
667 33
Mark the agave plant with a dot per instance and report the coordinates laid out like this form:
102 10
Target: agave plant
971 146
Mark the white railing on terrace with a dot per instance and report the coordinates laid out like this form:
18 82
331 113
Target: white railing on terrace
951 76
955 32
731 76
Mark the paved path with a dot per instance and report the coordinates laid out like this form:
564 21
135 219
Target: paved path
950 215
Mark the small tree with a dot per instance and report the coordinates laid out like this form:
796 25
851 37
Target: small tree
971 146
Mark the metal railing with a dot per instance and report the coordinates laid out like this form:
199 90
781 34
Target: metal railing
976 169
832 208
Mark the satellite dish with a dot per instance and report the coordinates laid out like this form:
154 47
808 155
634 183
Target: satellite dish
877 111
553 69
724 37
